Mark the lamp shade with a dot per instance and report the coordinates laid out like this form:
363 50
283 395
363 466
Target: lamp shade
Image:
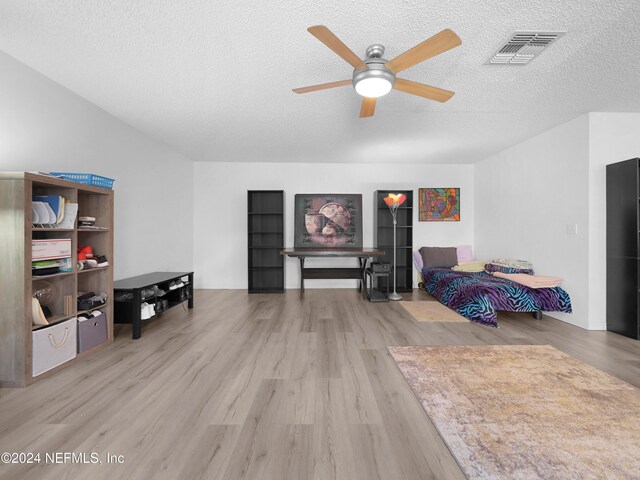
394 200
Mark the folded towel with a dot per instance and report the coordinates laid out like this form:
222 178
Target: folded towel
531 281
492 267
513 263
470 266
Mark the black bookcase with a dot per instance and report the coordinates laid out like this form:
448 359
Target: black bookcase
383 238
623 248
265 212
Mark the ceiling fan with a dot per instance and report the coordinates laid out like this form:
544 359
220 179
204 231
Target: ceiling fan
374 76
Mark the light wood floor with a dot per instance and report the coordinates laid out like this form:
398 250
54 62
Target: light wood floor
264 387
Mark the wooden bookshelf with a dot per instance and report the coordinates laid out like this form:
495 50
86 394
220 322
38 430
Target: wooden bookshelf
16 281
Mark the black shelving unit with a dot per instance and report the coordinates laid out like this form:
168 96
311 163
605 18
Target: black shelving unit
623 248
265 217
383 238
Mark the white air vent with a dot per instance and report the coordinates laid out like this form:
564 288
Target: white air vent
523 46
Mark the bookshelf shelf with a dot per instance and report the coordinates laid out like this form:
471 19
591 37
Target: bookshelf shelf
95 269
53 320
45 229
35 278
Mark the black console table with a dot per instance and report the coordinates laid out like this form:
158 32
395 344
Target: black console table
129 311
362 254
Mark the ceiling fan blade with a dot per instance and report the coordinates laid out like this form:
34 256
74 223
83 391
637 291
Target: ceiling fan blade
322 86
439 43
325 35
368 107
422 90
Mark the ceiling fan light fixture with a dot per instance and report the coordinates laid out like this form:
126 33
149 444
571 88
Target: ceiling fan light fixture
374 82
373 87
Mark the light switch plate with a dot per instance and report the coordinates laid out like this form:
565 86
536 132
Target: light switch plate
572 228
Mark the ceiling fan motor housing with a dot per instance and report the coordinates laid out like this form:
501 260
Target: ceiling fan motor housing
375 69
375 51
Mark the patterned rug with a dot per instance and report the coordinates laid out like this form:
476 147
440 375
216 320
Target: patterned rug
526 411
432 311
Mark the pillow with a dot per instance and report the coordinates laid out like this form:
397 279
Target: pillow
417 259
438 257
465 253
474 266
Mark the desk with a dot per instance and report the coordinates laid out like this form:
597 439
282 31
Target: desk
362 254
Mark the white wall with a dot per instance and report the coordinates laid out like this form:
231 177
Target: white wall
525 198
613 137
45 127
221 210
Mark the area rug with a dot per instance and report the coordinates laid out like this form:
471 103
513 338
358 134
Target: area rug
526 411
432 311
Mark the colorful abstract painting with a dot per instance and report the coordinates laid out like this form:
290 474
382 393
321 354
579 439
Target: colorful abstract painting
439 205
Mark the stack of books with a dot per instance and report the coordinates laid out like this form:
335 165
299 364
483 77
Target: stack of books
50 256
45 267
87 222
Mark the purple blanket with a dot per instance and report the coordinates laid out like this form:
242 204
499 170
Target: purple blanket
477 296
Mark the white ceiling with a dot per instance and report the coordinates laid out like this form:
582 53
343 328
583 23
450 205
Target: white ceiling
213 78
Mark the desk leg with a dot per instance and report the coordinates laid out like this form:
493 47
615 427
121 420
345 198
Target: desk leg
366 291
190 302
363 267
136 327
301 275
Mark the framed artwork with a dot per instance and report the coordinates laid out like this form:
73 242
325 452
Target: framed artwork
331 220
439 205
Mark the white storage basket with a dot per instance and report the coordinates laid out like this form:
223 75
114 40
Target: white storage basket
52 346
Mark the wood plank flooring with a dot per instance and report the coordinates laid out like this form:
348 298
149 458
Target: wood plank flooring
264 387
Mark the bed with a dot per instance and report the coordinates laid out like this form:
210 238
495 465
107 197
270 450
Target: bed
478 296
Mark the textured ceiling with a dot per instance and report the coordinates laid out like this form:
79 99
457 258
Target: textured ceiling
213 79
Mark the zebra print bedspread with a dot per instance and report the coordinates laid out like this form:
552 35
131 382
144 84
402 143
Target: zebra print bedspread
477 296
